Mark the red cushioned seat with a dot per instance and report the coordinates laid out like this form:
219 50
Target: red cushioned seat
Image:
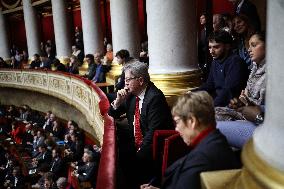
174 148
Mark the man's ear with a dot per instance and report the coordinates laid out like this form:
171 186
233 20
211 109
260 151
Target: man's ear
141 80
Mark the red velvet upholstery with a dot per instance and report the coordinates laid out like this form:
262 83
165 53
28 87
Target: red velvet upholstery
159 141
158 147
174 149
107 170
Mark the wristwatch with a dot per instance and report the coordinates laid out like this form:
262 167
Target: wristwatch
259 119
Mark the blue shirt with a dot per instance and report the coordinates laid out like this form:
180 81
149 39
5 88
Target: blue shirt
98 78
244 54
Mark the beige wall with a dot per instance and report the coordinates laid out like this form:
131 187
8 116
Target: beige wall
43 103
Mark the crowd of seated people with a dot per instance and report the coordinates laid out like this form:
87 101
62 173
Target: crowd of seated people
237 84
236 49
41 150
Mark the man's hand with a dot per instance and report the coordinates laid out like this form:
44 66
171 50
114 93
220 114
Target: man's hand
235 103
120 97
250 112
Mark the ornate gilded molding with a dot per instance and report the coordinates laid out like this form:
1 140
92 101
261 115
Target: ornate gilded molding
70 89
8 4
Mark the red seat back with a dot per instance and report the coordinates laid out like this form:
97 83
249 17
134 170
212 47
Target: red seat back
174 148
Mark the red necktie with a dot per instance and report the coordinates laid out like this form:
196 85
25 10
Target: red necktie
137 134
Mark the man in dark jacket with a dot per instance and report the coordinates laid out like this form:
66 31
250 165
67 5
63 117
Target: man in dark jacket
228 73
147 110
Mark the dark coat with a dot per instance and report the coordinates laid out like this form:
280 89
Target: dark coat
226 79
155 115
212 153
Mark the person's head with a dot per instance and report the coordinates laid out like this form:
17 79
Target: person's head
144 46
193 113
87 156
14 125
109 47
257 47
88 147
202 19
52 117
28 126
97 148
36 57
242 25
43 57
74 61
70 123
73 48
39 133
13 60
122 56
61 183
48 113
55 153
48 183
98 57
89 58
219 44
16 171
55 123
136 76
74 136
42 148
218 22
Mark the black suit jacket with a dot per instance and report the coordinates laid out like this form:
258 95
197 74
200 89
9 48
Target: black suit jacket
212 153
45 157
155 114
87 172
20 182
57 166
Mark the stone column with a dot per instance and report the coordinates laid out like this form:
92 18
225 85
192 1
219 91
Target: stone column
124 24
268 139
92 27
31 25
4 47
61 29
172 39
125 32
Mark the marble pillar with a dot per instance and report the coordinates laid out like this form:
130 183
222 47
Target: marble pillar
172 39
61 29
4 47
32 31
92 27
124 24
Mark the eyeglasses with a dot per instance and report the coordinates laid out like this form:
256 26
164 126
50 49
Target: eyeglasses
129 79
